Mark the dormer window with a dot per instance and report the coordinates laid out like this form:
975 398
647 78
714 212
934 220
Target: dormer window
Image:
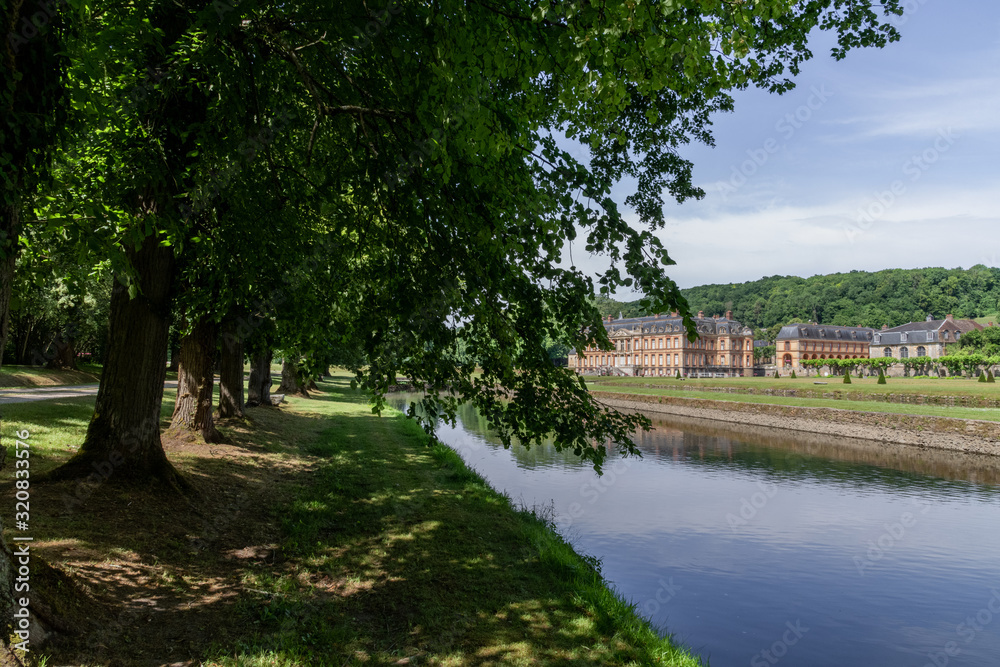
947 335
878 338
902 337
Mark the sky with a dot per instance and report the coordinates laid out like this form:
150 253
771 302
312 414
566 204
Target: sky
887 159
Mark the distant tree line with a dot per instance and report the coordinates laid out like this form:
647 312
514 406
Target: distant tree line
858 298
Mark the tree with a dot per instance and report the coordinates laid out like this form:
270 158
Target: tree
432 164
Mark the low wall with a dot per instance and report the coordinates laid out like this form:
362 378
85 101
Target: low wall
967 435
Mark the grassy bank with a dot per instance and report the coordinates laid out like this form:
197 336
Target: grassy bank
807 385
37 376
954 412
320 535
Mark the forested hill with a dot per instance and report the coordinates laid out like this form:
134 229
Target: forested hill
893 297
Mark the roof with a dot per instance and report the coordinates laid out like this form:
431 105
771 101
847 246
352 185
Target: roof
935 325
762 343
825 332
668 324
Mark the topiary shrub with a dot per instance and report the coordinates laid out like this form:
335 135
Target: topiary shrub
776 374
792 375
678 376
881 377
989 376
847 377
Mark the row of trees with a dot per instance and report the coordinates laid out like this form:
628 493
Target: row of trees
969 364
858 298
378 185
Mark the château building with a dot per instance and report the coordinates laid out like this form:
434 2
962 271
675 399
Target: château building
658 345
798 342
929 338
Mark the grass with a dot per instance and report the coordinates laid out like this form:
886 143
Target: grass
38 376
836 385
324 535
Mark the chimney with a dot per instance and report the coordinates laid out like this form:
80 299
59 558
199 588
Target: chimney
673 313
701 313
949 316
884 327
609 318
729 314
930 318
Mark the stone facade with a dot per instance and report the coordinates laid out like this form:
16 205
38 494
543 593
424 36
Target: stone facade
798 342
930 338
658 345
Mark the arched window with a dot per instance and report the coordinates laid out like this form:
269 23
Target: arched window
787 359
904 353
887 352
921 351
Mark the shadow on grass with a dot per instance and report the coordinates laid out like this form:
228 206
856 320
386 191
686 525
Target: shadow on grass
329 536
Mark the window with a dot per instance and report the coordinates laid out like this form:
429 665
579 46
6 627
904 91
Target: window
787 346
947 335
904 353
921 351
887 352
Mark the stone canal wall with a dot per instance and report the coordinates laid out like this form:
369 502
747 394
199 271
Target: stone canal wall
967 435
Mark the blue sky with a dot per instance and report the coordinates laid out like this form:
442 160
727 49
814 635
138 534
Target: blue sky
888 159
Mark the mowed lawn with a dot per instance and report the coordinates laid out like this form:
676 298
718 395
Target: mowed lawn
832 394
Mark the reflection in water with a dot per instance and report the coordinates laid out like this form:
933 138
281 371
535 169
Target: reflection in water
732 537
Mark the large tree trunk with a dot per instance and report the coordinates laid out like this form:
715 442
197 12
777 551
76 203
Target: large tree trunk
231 371
196 382
123 439
259 384
290 381
63 352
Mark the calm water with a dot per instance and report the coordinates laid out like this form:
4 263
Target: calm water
760 547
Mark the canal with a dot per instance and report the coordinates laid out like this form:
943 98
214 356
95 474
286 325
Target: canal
760 546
